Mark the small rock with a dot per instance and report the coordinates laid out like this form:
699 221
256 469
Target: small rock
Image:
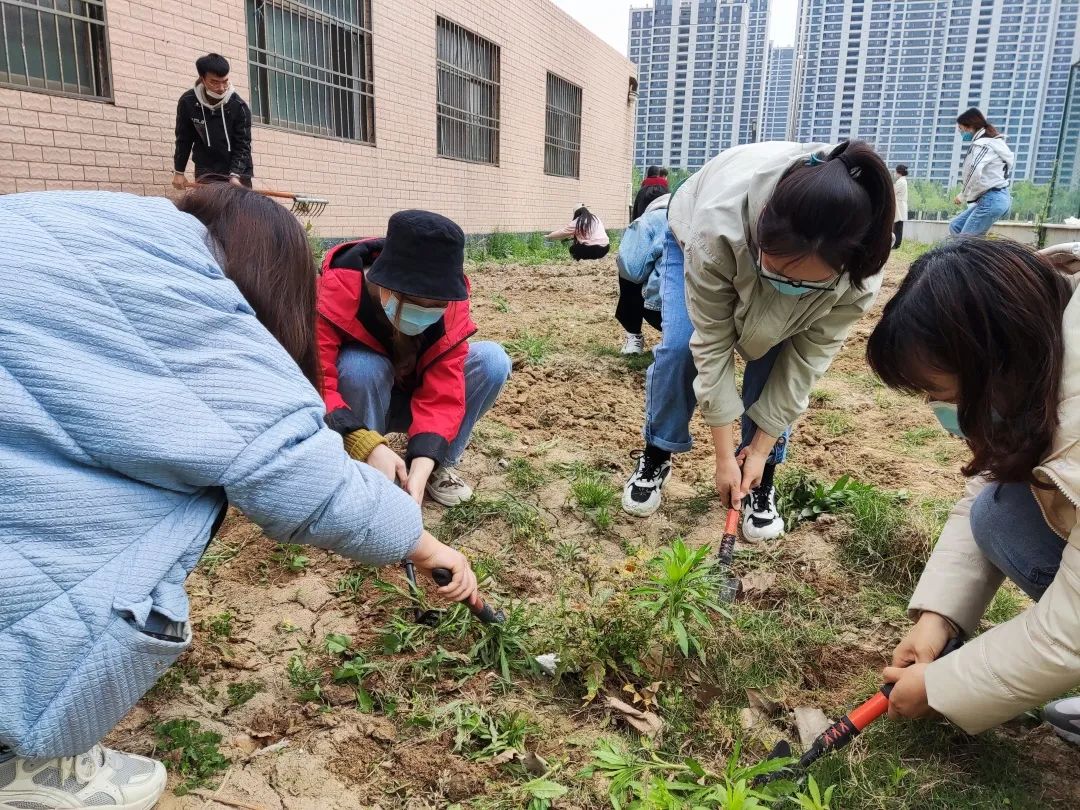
312 593
548 663
810 721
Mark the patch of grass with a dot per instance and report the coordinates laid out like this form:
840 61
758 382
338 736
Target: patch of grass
290 557
889 539
834 423
220 627
523 476
920 436
217 553
191 752
632 362
528 249
533 349
501 304
592 492
522 518
1008 603
820 398
492 438
351 585
909 251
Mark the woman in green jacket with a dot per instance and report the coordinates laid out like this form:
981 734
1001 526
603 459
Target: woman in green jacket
783 244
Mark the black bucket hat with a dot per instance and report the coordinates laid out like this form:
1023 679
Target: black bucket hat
424 257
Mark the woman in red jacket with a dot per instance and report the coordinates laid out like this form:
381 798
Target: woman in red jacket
393 334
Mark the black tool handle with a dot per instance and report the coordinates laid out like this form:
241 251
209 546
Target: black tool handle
480 609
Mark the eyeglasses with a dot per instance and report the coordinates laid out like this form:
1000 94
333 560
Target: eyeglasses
826 284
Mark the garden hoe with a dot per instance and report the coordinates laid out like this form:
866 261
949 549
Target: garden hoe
843 731
730 588
442 576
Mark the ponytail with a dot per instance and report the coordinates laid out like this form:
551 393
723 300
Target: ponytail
839 207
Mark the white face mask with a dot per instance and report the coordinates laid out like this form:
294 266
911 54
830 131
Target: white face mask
217 96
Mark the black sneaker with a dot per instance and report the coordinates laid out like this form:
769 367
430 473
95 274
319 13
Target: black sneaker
761 520
641 495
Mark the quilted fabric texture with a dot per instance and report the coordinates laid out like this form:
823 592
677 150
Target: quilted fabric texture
139 393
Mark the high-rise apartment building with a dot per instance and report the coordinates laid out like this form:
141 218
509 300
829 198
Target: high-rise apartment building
701 72
779 83
898 72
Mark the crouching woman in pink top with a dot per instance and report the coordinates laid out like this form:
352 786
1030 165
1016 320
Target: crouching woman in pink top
590 240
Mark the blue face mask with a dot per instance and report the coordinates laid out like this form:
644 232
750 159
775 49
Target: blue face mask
948 415
966 136
414 319
785 288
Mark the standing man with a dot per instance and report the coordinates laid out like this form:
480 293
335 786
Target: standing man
216 122
654 185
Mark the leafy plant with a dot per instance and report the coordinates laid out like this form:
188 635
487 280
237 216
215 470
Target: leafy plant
815 799
240 693
505 647
539 794
220 626
402 635
803 498
192 753
351 585
682 587
337 644
307 682
290 556
479 734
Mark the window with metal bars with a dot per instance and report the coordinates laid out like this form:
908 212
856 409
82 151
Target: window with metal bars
467 95
562 133
55 46
310 67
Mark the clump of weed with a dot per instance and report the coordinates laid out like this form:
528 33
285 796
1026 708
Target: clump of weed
834 423
501 304
889 539
503 647
1008 603
220 626
919 436
190 752
307 681
479 734
819 398
532 349
241 692
523 476
523 519
291 557
592 492
803 497
351 585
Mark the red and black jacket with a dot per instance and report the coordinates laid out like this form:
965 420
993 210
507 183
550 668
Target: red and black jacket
651 188
437 386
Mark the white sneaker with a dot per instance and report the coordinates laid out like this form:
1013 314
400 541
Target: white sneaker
641 494
447 488
101 778
1064 718
635 344
761 520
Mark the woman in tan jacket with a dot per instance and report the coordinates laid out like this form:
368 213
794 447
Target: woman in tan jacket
989 332
774 250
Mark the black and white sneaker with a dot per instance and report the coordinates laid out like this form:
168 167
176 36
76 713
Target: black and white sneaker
641 495
761 520
1064 718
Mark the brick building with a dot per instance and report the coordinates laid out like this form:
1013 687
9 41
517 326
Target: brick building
502 114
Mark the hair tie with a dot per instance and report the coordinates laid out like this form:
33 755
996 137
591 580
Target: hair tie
814 160
852 169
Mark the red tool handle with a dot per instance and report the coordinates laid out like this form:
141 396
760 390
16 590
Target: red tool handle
731 526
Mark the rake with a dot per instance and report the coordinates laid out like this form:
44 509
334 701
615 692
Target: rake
302 204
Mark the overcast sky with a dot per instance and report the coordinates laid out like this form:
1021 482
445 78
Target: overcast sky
609 19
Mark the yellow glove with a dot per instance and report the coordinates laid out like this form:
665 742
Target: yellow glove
360 443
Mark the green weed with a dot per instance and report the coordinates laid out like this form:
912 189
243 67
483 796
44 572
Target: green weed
533 349
306 681
522 518
523 476
802 497
351 585
819 398
220 626
1008 603
290 556
240 693
501 304
191 752
834 423
889 539
217 554
680 593
481 735
920 436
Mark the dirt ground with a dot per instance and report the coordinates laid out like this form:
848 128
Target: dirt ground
578 402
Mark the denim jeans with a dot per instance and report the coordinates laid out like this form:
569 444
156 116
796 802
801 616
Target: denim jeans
1010 530
366 382
669 382
977 219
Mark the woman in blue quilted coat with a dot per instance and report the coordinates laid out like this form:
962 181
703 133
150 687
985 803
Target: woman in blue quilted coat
156 365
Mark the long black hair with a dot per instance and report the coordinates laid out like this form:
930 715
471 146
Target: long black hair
987 312
585 221
838 207
972 118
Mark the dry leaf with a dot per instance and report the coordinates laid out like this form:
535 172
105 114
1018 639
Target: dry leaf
648 723
509 755
757 700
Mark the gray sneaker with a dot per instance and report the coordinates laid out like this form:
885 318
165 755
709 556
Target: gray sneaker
101 778
1064 718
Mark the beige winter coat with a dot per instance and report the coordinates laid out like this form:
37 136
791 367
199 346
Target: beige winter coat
713 215
1036 656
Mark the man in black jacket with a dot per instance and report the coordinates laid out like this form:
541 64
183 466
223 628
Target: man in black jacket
215 123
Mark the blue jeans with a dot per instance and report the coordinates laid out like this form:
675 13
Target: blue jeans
1010 530
976 219
669 382
366 382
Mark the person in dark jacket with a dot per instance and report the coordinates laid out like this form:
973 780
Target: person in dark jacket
213 125
393 331
653 186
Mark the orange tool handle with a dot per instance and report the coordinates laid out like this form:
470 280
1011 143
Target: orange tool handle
732 524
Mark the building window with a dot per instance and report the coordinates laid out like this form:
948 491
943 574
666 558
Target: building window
309 64
467 95
562 133
56 46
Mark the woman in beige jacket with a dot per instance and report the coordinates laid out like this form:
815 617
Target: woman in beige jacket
783 247
989 332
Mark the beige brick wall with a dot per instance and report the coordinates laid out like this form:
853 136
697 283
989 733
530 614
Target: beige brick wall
53 142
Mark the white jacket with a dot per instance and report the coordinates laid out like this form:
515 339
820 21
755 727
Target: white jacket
900 189
988 166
